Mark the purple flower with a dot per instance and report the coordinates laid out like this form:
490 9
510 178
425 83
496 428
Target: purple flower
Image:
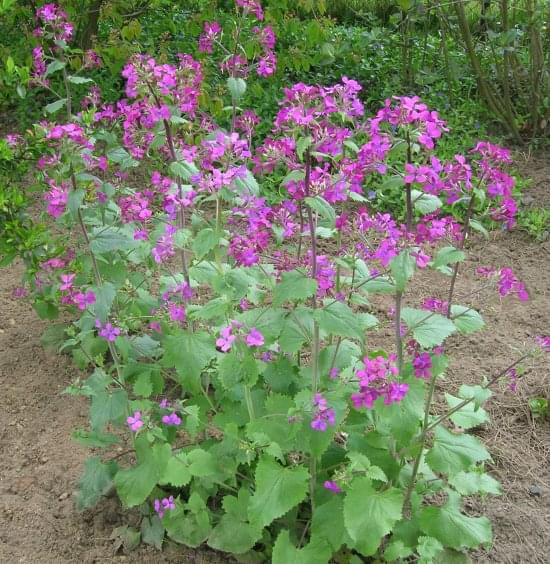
163 403
171 419
134 422
226 340
332 486
544 343
163 505
323 415
423 366
83 300
254 338
333 373
108 331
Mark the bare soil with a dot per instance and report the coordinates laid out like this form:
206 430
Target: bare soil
40 464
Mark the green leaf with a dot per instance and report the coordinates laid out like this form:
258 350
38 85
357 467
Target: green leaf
297 328
318 551
136 483
425 203
246 185
94 439
328 522
205 241
96 481
188 353
480 394
402 268
107 239
201 463
278 489
478 226
79 79
452 528
294 286
184 170
54 66
322 207
302 144
446 256
452 453
189 525
467 320
369 515
396 551
238 368
469 483
55 106
177 471
237 88
428 548
152 531
108 407
468 416
234 533
337 318
429 329
104 297
293 176
121 156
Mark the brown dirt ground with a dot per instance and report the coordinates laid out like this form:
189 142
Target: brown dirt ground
40 465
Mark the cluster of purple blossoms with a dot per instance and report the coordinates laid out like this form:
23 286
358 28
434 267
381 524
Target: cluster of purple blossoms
237 65
55 23
507 281
163 505
374 383
422 365
171 419
108 331
323 416
134 421
229 334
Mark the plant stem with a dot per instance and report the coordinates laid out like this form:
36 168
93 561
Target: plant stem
467 401
181 210
249 403
315 344
398 338
408 189
461 244
416 466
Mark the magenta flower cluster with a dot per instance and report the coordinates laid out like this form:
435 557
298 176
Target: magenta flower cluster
376 379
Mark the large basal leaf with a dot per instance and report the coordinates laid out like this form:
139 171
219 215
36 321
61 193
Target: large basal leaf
234 533
429 329
452 528
237 368
328 522
294 286
452 452
369 515
189 353
318 551
96 481
108 407
278 489
136 483
189 524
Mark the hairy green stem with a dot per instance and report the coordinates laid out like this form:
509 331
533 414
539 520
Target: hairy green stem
465 231
398 337
416 466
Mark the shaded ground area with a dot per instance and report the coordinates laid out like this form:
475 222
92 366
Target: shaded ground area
40 465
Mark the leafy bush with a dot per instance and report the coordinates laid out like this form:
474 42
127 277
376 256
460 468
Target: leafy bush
228 339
